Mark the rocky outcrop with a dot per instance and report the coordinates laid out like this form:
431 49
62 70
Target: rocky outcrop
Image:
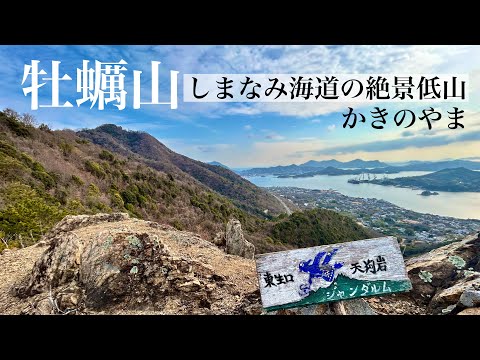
114 264
235 241
445 281
440 277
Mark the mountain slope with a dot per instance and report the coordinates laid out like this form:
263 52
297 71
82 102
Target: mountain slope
145 148
46 175
216 163
319 227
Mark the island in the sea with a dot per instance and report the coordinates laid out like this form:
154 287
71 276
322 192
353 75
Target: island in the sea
428 193
454 180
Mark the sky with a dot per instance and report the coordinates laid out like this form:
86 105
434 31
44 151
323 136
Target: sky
257 134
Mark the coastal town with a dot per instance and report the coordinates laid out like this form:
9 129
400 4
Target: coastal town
410 227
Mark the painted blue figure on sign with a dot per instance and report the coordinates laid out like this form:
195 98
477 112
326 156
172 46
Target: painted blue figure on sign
325 270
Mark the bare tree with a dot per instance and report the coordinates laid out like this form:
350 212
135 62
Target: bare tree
28 119
21 241
6 239
11 113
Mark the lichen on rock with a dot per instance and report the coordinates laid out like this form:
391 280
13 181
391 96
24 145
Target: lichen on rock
94 264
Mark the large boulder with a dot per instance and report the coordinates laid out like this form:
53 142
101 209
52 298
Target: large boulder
235 241
114 264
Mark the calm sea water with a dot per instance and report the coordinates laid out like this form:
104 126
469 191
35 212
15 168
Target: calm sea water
465 205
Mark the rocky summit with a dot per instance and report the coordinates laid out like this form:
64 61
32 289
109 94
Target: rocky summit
114 264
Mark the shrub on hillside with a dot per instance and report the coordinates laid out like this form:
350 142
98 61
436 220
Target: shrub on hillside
27 215
95 168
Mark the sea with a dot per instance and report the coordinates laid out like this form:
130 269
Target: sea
463 205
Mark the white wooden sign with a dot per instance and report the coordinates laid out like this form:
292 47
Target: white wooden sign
331 273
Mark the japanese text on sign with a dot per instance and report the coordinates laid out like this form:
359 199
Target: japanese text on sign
318 87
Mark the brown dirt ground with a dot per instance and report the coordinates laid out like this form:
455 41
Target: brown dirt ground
15 265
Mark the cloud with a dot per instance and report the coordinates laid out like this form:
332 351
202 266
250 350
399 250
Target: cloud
274 136
201 120
407 133
347 59
416 142
210 148
331 127
244 110
472 158
251 59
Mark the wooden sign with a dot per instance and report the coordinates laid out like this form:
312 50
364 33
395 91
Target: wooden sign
331 273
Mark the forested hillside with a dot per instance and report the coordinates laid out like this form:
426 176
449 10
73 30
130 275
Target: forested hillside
46 175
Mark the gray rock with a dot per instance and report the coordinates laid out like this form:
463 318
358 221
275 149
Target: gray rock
357 307
235 241
314 309
452 295
470 297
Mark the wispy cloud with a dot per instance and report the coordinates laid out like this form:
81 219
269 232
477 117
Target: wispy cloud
407 133
211 148
244 110
416 142
210 130
274 137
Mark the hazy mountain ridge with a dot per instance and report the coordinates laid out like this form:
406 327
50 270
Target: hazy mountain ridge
357 163
313 168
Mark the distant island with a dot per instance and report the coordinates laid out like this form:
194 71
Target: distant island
333 171
454 180
355 167
428 193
